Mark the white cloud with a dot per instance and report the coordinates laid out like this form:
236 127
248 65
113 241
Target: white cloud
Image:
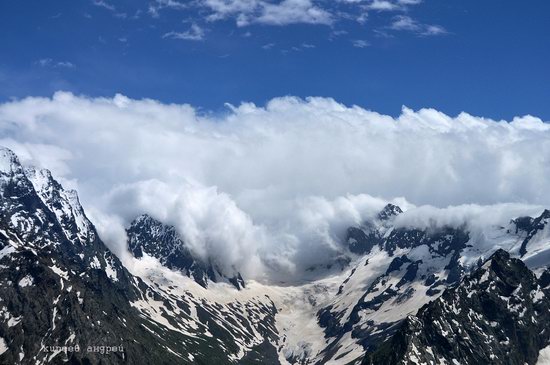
271 189
194 33
433 30
48 62
409 2
173 4
360 43
157 5
293 11
104 4
285 12
268 46
406 23
108 6
383 5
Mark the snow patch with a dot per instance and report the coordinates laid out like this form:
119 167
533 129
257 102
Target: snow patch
26 281
95 263
3 346
544 356
60 272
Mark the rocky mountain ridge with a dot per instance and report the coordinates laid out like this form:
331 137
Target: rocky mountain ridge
147 235
408 295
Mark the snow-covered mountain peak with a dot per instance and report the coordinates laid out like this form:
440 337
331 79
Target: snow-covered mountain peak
8 161
63 203
11 171
149 236
360 240
389 211
496 315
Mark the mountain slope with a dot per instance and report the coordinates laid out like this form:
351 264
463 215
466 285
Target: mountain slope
147 235
408 292
60 286
59 283
497 315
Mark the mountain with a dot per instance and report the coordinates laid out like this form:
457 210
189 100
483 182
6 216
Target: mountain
361 240
404 294
60 287
147 235
531 230
406 269
59 283
497 315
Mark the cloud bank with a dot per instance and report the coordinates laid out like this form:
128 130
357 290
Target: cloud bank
288 12
272 189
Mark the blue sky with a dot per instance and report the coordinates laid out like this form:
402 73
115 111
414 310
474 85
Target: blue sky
489 58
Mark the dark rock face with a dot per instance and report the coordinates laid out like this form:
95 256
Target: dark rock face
424 264
442 241
362 240
148 235
161 241
500 314
531 226
389 212
544 280
396 285
396 264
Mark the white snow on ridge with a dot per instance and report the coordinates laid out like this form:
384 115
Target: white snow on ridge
8 160
26 281
301 336
110 270
3 346
6 316
60 272
544 356
7 251
53 196
297 306
95 263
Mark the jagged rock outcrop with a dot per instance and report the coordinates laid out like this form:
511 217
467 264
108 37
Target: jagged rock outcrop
531 227
500 314
161 241
361 240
